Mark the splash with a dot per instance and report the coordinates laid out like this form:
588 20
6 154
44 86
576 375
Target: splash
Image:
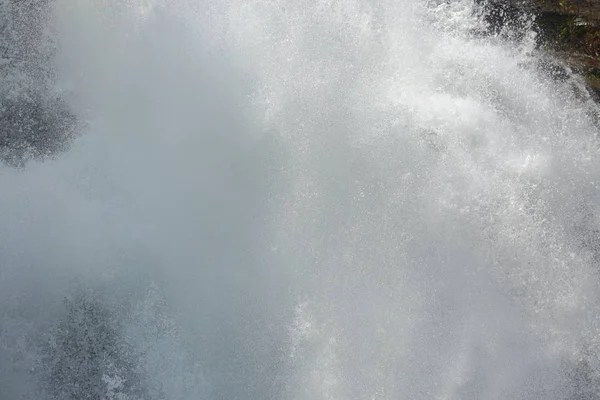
306 200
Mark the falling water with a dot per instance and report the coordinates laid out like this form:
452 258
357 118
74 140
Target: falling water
303 200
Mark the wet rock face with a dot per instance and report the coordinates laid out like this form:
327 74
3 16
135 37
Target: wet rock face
506 17
570 29
35 122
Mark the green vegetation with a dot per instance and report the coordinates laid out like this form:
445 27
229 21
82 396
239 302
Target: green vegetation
572 28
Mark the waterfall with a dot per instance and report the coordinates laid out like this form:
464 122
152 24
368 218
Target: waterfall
302 200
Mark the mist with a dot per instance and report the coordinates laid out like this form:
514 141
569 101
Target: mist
301 200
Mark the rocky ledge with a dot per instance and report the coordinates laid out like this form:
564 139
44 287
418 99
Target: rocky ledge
572 28
568 28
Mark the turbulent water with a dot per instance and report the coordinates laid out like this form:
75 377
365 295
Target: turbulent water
303 200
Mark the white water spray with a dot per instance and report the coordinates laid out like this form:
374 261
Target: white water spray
309 200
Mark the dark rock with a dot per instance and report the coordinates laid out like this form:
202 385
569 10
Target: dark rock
567 29
504 17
